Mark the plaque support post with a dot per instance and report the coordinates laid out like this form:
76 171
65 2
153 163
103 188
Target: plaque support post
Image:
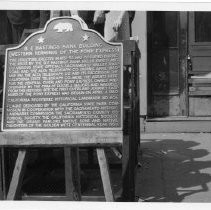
131 138
72 173
1 176
105 174
18 173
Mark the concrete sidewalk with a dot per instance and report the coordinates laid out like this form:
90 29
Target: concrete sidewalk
174 168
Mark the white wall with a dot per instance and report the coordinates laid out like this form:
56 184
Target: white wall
139 28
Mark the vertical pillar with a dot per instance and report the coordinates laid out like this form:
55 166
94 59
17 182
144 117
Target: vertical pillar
139 29
183 40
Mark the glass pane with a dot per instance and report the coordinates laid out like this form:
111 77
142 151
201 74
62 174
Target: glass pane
165 75
171 27
165 29
164 59
202 26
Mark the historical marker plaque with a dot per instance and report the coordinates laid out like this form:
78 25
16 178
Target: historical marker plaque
64 77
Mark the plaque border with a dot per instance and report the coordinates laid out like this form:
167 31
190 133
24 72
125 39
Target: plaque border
60 129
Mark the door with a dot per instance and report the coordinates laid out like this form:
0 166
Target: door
166 78
199 64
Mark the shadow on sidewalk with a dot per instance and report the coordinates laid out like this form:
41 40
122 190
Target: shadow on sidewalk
171 170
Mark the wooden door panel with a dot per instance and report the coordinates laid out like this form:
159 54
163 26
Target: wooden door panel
200 106
165 106
200 63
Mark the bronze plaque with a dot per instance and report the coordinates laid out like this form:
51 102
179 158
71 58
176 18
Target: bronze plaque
64 77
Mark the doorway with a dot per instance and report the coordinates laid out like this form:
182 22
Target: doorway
179 72
165 77
179 64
